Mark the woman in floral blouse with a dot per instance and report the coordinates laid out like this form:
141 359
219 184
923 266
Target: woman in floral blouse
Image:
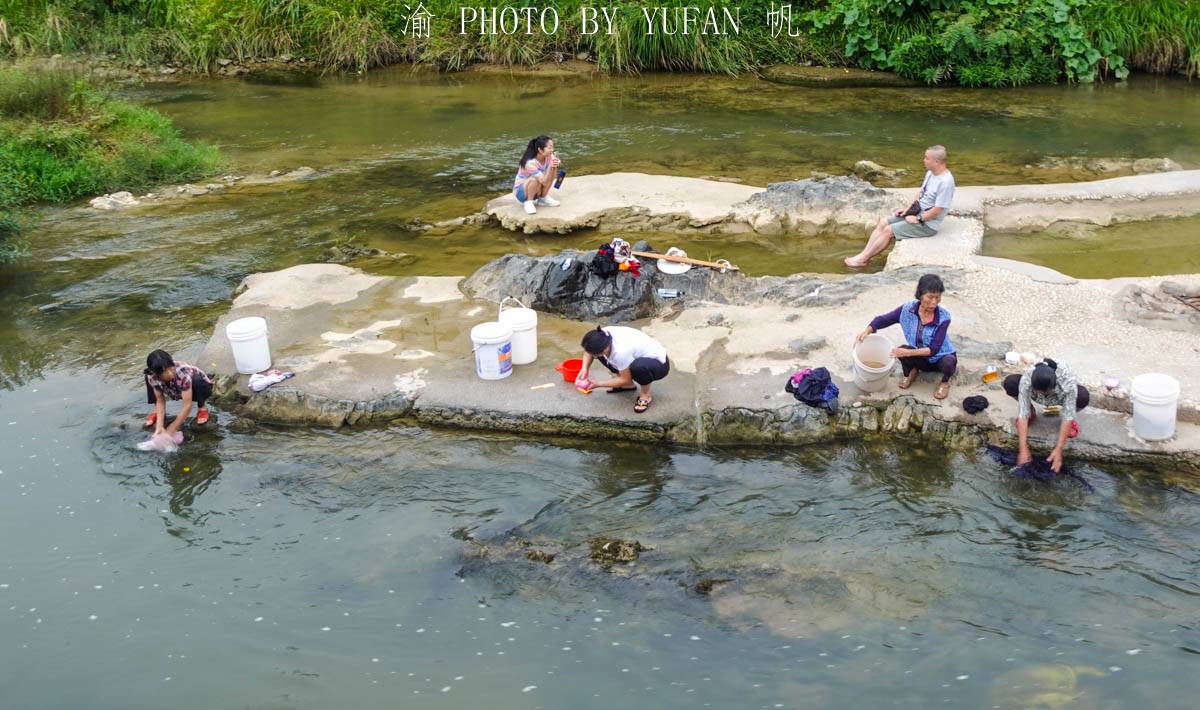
176 380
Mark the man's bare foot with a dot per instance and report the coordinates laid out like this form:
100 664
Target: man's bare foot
854 262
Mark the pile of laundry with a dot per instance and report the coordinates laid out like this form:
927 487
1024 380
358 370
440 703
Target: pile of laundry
614 257
815 388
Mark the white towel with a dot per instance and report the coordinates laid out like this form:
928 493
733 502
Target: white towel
263 380
162 442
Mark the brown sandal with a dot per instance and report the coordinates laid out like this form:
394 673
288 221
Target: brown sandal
642 405
942 391
908 381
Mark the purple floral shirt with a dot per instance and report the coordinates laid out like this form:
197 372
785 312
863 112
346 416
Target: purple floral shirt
182 382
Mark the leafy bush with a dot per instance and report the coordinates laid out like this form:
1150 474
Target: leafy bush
62 138
972 42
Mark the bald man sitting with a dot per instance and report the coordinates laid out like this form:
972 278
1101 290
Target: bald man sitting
937 191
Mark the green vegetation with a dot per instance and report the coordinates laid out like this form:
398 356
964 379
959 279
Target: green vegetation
62 138
970 42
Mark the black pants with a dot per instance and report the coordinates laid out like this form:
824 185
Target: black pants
1012 386
947 365
646 370
201 391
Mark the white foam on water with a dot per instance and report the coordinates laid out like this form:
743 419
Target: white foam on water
528 688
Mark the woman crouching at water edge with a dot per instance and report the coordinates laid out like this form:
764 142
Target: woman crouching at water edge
536 172
926 326
1050 384
631 355
177 380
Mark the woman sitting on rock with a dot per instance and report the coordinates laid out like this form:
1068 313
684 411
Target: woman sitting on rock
535 174
1051 384
925 325
631 355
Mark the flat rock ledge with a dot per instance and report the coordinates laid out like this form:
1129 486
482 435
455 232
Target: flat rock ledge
382 350
640 202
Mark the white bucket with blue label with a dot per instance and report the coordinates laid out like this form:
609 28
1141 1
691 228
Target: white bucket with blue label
492 343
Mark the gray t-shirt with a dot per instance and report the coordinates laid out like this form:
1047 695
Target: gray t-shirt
937 191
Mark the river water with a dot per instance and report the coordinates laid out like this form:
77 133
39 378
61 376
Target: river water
262 567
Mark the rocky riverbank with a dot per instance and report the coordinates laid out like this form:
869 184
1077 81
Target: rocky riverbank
640 202
370 349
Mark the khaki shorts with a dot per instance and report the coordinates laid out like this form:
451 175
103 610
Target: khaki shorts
903 230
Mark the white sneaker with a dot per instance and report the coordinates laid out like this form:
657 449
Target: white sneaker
529 208
548 201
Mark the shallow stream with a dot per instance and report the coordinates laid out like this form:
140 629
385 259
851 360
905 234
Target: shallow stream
310 569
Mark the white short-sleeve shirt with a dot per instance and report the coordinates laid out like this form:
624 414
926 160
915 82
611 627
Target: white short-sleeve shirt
628 344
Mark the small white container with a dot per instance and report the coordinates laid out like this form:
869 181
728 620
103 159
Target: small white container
1012 357
1155 397
492 343
523 322
248 340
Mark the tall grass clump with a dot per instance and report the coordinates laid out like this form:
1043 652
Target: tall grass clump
1159 36
969 42
62 138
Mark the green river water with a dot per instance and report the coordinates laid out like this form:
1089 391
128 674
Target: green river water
278 568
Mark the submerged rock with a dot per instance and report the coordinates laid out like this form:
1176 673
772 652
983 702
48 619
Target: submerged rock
346 253
607 551
115 200
874 172
831 77
1049 686
1086 167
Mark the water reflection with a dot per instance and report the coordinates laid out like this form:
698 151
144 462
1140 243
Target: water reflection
877 575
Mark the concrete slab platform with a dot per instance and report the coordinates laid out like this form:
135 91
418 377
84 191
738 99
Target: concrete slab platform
379 350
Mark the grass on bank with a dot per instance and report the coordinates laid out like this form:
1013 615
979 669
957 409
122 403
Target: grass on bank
62 138
971 42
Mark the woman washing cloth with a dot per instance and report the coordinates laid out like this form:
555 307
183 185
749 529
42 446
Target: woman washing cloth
1050 384
176 380
925 325
631 355
536 172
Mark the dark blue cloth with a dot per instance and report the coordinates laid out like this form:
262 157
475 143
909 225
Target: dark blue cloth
1038 468
816 389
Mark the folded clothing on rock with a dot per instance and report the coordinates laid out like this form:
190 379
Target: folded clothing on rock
262 380
815 388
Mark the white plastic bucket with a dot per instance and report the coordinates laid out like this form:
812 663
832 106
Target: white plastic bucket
873 362
492 343
523 322
248 339
1155 397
